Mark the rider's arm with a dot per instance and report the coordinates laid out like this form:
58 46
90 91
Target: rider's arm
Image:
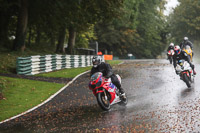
191 44
108 69
167 49
186 57
92 71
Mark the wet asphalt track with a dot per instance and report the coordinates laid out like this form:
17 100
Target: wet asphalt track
158 101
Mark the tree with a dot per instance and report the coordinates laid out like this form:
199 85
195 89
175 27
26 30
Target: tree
21 26
151 32
8 9
88 12
44 21
139 29
185 20
61 41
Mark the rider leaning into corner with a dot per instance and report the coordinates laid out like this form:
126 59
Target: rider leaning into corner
185 43
179 55
106 69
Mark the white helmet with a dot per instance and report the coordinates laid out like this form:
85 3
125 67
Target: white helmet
185 38
96 60
177 50
171 44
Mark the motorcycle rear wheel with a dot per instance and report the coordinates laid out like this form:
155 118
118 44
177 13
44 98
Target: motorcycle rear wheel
103 102
187 80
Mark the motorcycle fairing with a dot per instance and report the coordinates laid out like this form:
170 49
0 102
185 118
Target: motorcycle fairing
171 52
111 88
116 100
186 73
99 91
188 51
183 66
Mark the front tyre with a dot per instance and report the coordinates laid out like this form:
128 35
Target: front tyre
103 101
170 60
187 80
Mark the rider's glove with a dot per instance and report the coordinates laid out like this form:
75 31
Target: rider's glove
107 77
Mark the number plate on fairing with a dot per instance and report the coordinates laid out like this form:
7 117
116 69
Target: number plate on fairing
112 87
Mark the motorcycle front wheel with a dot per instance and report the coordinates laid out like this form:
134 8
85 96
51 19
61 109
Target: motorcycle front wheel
170 60
103 101
187 80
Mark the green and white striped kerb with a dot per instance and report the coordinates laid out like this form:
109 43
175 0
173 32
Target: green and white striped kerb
40 64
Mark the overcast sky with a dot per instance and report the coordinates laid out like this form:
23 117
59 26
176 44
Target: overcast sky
171 4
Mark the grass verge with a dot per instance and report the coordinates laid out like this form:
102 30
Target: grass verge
21 95
114 62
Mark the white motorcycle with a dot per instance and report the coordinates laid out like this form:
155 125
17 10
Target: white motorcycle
185 72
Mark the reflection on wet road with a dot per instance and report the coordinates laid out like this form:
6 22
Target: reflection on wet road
158 101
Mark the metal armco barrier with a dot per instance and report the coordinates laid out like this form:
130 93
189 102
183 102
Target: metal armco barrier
39 64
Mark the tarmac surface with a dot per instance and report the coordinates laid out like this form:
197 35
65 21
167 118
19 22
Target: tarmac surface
158 102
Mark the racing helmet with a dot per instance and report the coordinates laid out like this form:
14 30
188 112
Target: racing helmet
185 38
177 50
96 60
171 44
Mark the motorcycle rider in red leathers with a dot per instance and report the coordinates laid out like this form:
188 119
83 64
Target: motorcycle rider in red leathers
106 69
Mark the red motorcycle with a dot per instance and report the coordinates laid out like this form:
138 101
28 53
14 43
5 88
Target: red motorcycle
105 91
170 55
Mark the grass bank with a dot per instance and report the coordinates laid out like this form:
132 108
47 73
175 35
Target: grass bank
22 94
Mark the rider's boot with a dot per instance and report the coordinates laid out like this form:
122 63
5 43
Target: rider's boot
122 93
194 72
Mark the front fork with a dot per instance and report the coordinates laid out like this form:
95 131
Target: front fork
105 94
102 91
